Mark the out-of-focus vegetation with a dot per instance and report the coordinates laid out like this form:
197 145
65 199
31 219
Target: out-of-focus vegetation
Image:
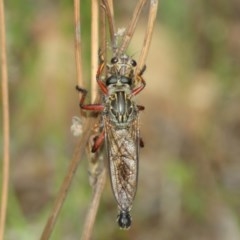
189 182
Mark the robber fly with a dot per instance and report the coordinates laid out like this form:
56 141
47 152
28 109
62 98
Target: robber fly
120 116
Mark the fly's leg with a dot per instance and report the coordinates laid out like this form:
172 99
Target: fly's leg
142 70
98 142
91 107
135 92
99 72
94 107
141 80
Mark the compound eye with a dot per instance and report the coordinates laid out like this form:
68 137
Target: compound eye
126 80
111 80
114 60
133 63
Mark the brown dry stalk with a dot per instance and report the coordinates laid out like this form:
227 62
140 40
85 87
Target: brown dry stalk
98 176
78 48
148 35
91 215
108 6
5 109
77 156
94 48
131 27
103 39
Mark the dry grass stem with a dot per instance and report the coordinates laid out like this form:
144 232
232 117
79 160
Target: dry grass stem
108 6
110 3
94 49
77 156
91 216
5 114
96 166
131 27
103 37
148 35
78 48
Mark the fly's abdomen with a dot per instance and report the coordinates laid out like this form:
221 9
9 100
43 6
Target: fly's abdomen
122 149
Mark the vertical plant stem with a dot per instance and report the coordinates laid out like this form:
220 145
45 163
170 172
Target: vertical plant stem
78 48
148 35
77 155
94 49
5 113
108 6
99 185
131 27
91 216
103 37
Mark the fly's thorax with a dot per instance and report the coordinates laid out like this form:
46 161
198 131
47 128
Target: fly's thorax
120 108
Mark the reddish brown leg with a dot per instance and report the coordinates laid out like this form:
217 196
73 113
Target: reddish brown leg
143 83
92 107
135 92
100 83
98 142
99 72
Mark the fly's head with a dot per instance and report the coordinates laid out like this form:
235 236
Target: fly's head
122 65
121 73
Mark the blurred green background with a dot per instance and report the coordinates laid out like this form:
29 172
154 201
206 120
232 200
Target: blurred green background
189 182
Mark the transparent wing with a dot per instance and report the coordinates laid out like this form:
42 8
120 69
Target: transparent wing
122 149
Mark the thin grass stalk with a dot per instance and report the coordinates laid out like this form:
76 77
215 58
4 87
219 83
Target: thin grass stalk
95 157
148 35
110 3
93 208
78 45
131 27
94 48
77 156
103 37
108 6
6 127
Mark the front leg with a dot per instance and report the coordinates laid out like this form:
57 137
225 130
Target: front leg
139 89
99 72
141 80
91 107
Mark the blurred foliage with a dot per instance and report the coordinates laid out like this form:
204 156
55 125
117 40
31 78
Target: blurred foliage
189 170
206 26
